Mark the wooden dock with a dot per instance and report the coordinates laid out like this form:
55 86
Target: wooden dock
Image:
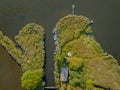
50 88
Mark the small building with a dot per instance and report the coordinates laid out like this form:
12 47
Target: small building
64 74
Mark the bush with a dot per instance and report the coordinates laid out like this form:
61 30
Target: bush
75 63
32 80
75 82
89 84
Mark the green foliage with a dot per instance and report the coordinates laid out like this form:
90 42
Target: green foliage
79 77
80 48
75 63
58 57
69 27
70 87
57 81
73 74
63 87
1 34
10 46
30 38
88 59
67 31
75 82
89 85
31 28
28 50
88 30
32 80
96 47
111 58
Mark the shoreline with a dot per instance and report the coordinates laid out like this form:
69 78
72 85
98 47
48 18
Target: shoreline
10 55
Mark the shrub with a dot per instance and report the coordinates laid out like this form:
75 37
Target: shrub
75 82
32 80
75 63
89 84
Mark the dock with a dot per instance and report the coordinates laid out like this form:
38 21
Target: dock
50 88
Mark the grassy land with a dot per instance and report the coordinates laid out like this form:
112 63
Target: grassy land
28 51
89 67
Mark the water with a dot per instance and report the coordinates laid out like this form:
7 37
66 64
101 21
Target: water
14 14
10 72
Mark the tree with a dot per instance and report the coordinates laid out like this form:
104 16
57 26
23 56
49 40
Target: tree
89 84
32 80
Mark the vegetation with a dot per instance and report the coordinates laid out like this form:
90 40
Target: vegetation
10 46
30 38
89 85
28 51
89 66
75 63
32 80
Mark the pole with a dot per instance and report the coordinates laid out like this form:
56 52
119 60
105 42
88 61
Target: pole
73 9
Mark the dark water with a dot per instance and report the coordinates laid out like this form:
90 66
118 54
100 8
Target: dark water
14 14
10 73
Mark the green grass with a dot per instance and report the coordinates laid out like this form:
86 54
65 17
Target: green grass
88 66
28 51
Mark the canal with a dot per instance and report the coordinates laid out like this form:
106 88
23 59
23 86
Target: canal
14 14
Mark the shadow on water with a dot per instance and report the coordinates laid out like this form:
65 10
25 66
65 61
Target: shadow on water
44 78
